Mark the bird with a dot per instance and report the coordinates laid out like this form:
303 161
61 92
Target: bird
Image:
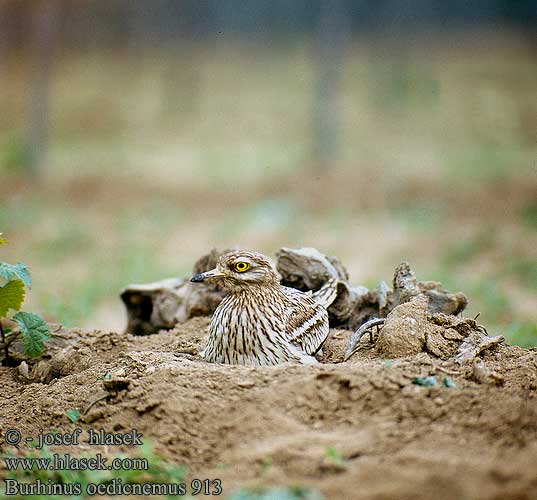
261 322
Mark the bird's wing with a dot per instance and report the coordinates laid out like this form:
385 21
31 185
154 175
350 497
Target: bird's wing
326 294
307 321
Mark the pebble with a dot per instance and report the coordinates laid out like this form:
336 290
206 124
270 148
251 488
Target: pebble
246 383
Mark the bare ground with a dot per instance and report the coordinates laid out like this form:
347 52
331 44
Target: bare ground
277 425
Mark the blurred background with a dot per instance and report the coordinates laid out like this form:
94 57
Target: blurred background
137 135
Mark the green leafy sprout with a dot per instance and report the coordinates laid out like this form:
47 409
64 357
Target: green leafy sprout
449 383
424 381
73 415
14 281
334 457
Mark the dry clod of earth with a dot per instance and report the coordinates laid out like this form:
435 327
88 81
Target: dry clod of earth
431 408
410 318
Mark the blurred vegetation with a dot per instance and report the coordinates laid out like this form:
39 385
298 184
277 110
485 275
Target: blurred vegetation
276 493
159 472
144 174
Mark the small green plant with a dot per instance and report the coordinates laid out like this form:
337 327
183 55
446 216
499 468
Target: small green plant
14 280
266 465
73 415
449 383
424 381
335 458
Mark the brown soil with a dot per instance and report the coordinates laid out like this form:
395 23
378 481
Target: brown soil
274 425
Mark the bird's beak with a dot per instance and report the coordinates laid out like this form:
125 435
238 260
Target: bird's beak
209 276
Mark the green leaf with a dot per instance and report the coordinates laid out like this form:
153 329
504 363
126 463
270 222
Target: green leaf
424 381
11 296
34 332
2 240
335 456
73 415
449 383
18 271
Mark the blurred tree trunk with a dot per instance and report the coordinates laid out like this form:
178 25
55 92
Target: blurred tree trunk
4 38
333 35
43 27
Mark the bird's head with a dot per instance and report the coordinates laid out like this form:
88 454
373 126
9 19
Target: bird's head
240 268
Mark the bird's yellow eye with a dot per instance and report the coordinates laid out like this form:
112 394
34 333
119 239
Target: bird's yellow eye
240 267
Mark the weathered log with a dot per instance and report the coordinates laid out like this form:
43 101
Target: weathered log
161 305
484 375
307 268
406 286
475 343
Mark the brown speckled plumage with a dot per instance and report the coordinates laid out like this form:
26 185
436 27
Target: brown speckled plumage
261 322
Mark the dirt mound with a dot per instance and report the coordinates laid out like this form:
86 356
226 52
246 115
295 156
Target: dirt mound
420 426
